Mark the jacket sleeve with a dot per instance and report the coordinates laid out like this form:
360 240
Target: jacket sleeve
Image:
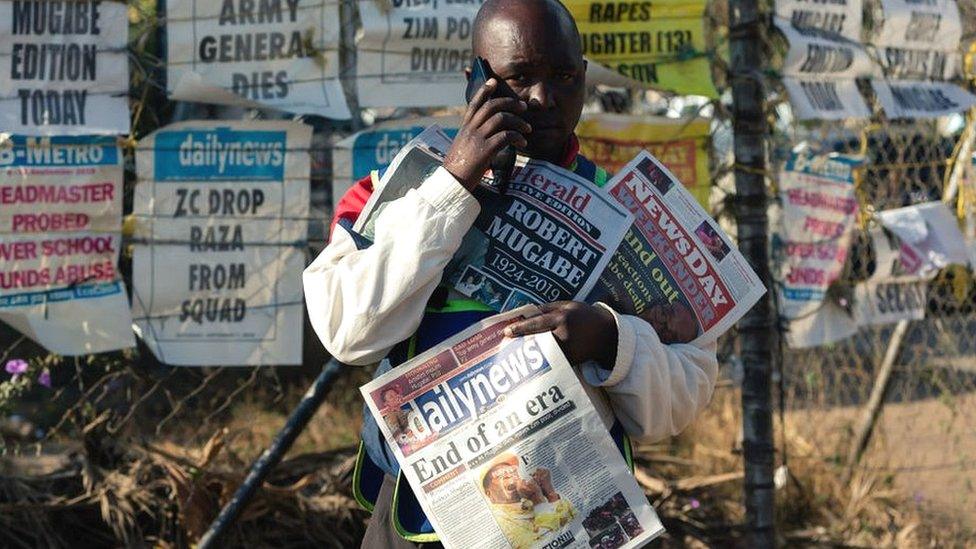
655 390
363 302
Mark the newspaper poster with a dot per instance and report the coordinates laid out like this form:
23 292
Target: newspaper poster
909 99
920 24
816 54
828 324
819 211
681 144
837 17
890 294
661 45
501 432
64 68
910 64
60 236
675 267
966 209
818 99
375 148
930 237
221 210
278 54
546 239
413 53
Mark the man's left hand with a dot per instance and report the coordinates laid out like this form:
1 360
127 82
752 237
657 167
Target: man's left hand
584 332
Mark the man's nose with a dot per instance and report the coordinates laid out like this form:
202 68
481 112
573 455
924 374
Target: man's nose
540 96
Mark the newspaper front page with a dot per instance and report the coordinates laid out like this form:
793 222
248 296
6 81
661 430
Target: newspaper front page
503 447
675 267
546 239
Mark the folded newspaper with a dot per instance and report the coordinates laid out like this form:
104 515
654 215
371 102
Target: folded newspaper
503 447
642 244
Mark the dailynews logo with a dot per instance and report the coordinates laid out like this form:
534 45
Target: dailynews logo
220 154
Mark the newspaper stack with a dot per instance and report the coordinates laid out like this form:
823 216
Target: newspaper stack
642 244
497 436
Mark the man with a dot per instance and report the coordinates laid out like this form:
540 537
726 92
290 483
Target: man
526 510
384 300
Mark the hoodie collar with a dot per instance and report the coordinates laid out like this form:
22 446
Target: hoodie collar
572 151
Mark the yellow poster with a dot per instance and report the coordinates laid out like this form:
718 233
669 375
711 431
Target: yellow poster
612 140
660 44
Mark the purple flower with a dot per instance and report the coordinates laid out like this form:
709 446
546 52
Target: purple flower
919 498
695 504
15 367
45 378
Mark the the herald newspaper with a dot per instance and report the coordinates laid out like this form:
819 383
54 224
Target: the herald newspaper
503 447
545 239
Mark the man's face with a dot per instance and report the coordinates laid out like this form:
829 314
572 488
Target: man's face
545 69
391 397
503 487
673 323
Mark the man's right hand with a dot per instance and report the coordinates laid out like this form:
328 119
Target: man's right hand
489 125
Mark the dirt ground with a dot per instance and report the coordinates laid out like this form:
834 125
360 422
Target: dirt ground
926 449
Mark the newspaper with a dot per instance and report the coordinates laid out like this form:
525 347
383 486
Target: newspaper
675 267
642 244
503 447
546 239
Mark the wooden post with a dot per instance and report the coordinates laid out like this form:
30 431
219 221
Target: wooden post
756 329
870 414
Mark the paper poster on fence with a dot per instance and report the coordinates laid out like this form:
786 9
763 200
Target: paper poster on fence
920 24
818 214
837 17
930 237
64 68
373 149
60 236
282 55
413 54
892 293
920 64
908 99
815 55
825 99
828 324
221 211
661 45
681 144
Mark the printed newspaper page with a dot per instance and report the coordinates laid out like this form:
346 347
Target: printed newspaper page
675 268
546 239
415 161
503 447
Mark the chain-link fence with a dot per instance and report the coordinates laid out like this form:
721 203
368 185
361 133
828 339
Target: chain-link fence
883 417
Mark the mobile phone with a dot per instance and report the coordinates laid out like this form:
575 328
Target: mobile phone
504 162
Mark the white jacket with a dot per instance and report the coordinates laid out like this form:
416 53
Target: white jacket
363 302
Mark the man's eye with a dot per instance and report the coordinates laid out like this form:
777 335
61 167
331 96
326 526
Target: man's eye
565 76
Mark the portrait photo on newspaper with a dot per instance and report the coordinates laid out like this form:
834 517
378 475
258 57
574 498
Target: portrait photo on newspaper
501 431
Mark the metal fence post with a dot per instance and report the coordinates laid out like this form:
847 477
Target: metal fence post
268 459
746 40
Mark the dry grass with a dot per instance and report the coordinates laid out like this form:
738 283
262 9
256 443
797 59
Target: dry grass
813 507
166 491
